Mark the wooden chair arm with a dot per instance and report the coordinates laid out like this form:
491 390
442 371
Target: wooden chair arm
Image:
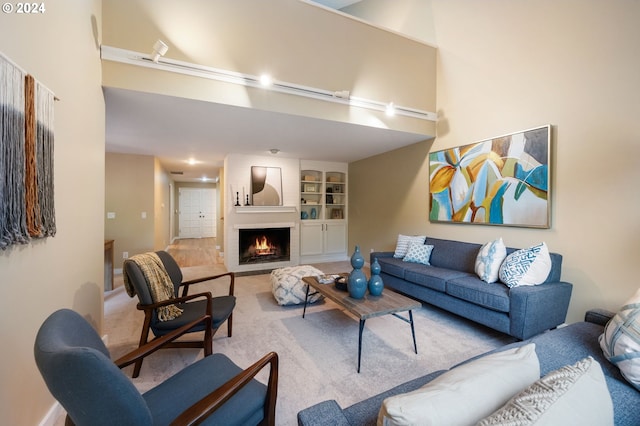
176 300
157 343
186 284
199 411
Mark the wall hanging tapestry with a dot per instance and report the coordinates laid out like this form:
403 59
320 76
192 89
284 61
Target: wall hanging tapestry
500 181
26 157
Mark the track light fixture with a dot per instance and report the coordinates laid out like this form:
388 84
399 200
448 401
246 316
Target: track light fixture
391 109
266 82
159 49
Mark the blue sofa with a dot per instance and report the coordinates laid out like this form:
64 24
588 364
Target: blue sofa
555 349
452 284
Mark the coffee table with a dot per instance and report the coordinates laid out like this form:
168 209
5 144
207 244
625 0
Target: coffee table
389 302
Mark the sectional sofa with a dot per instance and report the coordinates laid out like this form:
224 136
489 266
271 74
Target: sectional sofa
451 283
554 349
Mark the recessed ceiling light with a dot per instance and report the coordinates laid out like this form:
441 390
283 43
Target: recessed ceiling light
192 161
274 151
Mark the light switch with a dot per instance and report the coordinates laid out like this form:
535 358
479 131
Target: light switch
111 215
143 215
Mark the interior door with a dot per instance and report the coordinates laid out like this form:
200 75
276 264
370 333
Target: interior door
196 218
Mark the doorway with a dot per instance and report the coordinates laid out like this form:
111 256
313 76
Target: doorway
197 213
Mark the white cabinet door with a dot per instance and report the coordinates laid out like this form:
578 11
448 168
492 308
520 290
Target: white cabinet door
335 237
311 240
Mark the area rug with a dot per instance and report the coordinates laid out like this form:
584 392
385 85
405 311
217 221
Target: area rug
318 354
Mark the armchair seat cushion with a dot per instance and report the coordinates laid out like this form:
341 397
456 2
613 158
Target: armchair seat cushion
166 401
221 308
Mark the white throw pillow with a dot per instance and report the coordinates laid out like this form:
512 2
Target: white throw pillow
490 257
419 253
467 393
620 341
530 266
572 395
404 241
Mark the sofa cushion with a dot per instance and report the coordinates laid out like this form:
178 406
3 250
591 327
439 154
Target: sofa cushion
573 394
432 277
393 266
620 341
457 255
474 290
530 266
489 259
403 243
418 253
467 393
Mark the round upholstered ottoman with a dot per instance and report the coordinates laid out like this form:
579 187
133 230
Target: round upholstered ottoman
287 285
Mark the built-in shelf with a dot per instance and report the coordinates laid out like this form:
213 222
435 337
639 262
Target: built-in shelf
266 209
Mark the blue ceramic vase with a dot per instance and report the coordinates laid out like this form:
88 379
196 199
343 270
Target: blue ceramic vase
375 282
357 282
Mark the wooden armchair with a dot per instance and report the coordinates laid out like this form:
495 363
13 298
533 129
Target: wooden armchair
79 373
206 311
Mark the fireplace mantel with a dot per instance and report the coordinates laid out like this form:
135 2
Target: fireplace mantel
266 209
264 225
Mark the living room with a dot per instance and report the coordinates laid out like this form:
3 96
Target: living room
501 67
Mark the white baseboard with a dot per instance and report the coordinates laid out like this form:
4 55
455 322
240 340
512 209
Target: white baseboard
52 416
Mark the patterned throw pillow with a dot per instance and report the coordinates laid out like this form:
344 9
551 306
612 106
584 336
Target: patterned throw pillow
572 395
489 259
620 341
419 253
404 241
530 266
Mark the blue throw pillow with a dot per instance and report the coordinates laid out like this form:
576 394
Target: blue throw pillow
419 253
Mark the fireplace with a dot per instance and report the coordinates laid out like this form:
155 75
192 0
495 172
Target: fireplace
263 245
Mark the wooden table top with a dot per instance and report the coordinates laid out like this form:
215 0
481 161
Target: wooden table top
369 306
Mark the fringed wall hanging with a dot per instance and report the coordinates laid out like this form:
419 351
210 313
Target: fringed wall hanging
26 157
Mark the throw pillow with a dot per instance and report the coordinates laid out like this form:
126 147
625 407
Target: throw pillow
572 395
419 253
489 259
467 393
620 341
530 266
404 241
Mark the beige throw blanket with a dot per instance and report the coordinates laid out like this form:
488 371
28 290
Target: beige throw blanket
160 284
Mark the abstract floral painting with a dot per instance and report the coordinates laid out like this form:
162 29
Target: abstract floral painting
500 181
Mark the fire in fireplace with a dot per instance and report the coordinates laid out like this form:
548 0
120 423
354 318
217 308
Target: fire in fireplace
264 245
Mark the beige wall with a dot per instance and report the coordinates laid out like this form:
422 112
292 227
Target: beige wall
162 185
505 66
60 49
412 17
293 41
130 190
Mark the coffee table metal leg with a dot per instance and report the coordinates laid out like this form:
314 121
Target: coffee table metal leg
360 343
306 297
413 332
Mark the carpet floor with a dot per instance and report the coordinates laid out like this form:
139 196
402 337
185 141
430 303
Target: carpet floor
318 354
